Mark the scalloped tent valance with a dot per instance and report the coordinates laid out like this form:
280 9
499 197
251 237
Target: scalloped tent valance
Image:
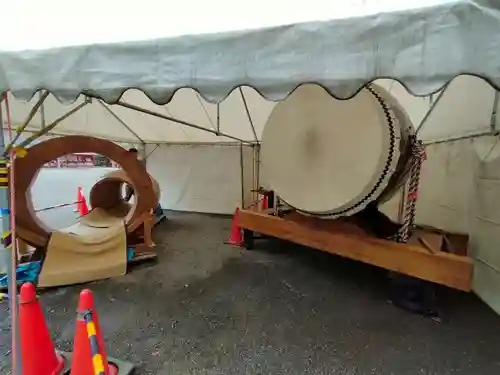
340 47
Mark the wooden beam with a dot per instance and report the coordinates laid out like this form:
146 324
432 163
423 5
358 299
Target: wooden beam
447 269
148 228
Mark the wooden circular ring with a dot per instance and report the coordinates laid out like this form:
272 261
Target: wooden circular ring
28 226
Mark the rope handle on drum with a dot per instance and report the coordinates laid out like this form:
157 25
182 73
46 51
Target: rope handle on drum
418 156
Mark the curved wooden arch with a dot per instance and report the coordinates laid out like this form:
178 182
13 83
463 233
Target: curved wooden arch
29 227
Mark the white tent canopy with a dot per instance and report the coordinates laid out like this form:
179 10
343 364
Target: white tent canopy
273 47
244 113
178 61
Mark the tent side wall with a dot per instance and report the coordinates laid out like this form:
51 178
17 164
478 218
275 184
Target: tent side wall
485 225
460 192
203 178
445 198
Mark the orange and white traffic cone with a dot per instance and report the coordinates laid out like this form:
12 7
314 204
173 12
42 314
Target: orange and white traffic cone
88 347
79 196
236 237
84 210
38 353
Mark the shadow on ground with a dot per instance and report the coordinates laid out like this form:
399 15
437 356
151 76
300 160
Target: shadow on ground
207 308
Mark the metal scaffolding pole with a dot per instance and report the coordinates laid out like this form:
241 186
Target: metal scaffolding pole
8 258
4 204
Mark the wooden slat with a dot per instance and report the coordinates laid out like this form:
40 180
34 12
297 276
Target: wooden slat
447 269
31 238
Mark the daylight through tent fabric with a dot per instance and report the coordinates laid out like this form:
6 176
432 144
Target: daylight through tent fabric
422 47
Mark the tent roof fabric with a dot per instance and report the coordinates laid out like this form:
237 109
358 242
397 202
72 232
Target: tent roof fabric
423 48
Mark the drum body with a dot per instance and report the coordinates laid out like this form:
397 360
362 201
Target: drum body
331 158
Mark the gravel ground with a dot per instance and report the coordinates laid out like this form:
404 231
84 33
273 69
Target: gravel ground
207 308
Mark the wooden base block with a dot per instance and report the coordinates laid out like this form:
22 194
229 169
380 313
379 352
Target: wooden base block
142 253
348 241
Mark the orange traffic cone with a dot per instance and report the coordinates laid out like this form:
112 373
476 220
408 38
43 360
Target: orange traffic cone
236 238
84 210
85 354
79 198
265 203
37 350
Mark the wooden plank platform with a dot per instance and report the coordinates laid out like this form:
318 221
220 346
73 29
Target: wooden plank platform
349 241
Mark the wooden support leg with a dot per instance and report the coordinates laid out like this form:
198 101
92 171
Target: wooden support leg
148 240
22 249
248 239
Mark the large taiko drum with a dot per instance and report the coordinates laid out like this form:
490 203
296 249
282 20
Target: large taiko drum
331 158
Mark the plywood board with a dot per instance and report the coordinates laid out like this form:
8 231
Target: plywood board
86 251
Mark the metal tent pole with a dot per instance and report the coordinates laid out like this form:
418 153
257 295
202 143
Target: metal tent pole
247 110
431 109
493 118
460 138
242 177
123 123
48 128
30 116
178 121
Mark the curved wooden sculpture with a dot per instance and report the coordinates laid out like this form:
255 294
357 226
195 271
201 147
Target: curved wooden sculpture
104 194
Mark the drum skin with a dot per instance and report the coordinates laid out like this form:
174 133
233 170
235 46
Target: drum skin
327 157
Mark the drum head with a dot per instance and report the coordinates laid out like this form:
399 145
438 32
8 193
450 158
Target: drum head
325 156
